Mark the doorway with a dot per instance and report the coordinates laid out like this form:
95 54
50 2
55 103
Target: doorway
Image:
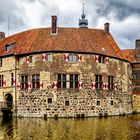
9 100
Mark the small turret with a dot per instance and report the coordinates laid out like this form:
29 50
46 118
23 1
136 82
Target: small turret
83 22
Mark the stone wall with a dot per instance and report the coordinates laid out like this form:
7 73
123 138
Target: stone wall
8 67
68 104
136 76
74 103
136 103
136 85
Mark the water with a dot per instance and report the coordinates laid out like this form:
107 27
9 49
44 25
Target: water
111 128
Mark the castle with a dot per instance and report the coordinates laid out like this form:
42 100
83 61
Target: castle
68 72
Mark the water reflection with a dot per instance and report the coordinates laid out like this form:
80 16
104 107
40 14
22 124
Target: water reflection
111 128
7 128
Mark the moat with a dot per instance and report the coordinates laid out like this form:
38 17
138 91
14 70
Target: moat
110 128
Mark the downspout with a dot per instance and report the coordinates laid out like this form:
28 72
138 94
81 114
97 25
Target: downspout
15 86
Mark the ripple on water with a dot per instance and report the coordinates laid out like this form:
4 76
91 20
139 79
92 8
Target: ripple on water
111 128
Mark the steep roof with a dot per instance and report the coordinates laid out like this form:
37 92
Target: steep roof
67 39
130 55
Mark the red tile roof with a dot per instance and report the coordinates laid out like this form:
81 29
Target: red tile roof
130 55
67 39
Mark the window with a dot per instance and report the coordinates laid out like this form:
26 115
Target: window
62 81
73 58
134 76
98 81
102 59
30 59
74 81
112 102
49 57
1 80
1 62
49 100
98 103
35 81
24 82
12 79
110 82
67 103
9 46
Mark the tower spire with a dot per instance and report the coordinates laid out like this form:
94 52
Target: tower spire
83 8
83 22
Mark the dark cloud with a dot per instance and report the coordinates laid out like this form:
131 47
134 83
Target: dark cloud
6 10
120 9
9 12
123 10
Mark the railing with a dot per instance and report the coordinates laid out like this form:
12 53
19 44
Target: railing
6 105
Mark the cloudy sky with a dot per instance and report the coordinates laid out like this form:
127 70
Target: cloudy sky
123 15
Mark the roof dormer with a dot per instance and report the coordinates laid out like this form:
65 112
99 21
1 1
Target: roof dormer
9 46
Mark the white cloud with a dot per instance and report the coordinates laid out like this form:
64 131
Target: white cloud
26 14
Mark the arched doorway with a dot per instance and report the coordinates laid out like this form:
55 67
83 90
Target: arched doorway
9 100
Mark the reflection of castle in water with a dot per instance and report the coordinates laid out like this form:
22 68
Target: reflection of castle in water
71 129
8 128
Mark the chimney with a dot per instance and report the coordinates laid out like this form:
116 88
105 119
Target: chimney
2 36
106 28
138 50
54 25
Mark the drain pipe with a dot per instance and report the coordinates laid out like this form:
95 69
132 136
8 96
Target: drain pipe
15 85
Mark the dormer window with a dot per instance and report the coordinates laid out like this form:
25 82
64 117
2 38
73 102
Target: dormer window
9 46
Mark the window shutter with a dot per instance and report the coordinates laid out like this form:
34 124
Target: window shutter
29 85
4 83
115 86
80 85
66 57
44 57
93 85
97 58
130 87
107 60
54 85
18 86
40 85
14 82
27 59
79 57
105 86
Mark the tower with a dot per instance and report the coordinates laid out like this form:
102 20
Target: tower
83 22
